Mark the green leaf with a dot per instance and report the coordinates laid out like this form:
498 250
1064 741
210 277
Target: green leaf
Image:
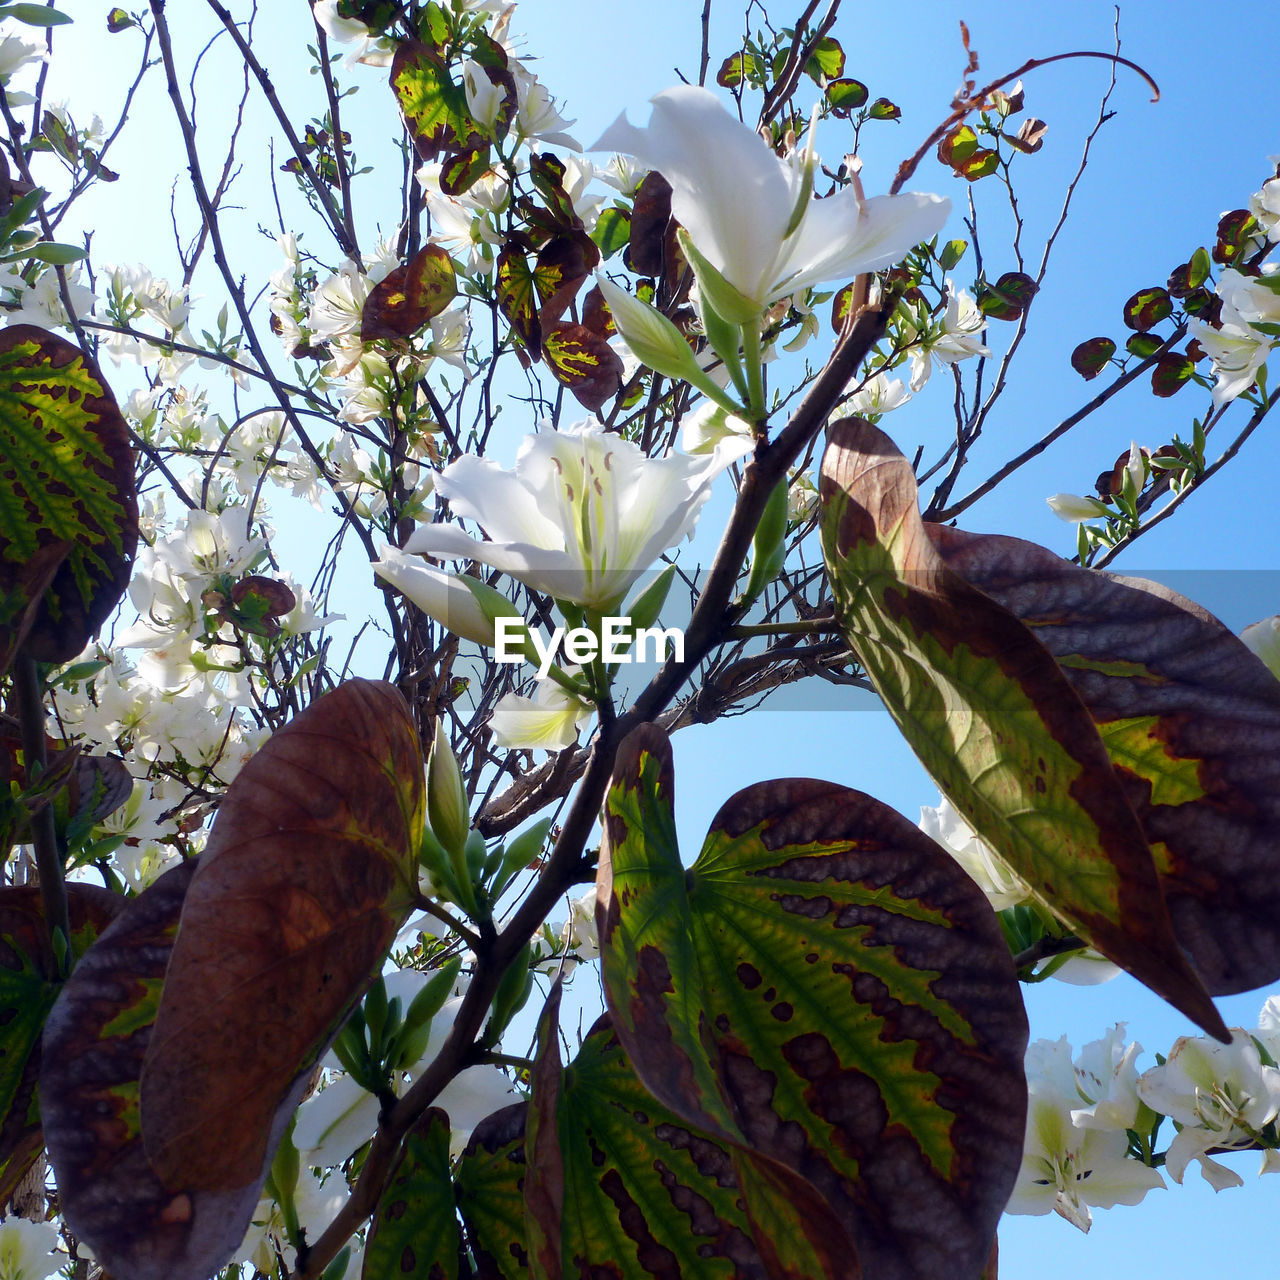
826 62
1191 720
951 253
110 1196
34 15
414 1232
612 230
737 68
883 109
1143 345
119 20
310 869
643 1194
489 1182
827 993
66 492
993 719
846 96
412 294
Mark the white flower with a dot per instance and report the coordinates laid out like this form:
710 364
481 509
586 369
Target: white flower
1069 1169
1264 639
484 96
440 595
749 213
1220 1094
372 52
26 1249
880 394
581 517
709 426
549 721
955 338
1075 509
18 51
579 931
1003 886
337 305
1246 300
1237 352
1265 206
1106 1076
537 119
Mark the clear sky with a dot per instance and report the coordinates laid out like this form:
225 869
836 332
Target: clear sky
1161 176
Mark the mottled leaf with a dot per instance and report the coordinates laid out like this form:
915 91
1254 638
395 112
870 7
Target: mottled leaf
644 1193
412 294
1191 719
846 96
1170 374
414 1232
1030 136
1147 308
489 1183
1236 230
533 296
883 109
27 990
826 61
310 869
138 1227
434 107
1143 345
993 719
66 481
828 992
736 68
584 362
1009 297
1090 357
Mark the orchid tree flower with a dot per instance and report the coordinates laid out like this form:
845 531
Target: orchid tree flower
461 604
750 215
549 721
581 517
1220 1094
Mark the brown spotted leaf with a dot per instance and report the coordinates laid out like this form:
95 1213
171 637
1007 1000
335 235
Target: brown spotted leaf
434 107
138 1227
310 869
489 1183
68 509
1191 719
644 1194
412 294
993 718
830 996
27 991
584 362
414 1233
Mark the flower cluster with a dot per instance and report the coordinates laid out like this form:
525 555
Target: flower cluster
1093 1120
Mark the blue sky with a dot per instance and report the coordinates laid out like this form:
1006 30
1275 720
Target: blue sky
1161 176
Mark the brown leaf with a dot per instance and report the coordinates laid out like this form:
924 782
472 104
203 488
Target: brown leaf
1192 720
992 717
94 1045
310 869
412 294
